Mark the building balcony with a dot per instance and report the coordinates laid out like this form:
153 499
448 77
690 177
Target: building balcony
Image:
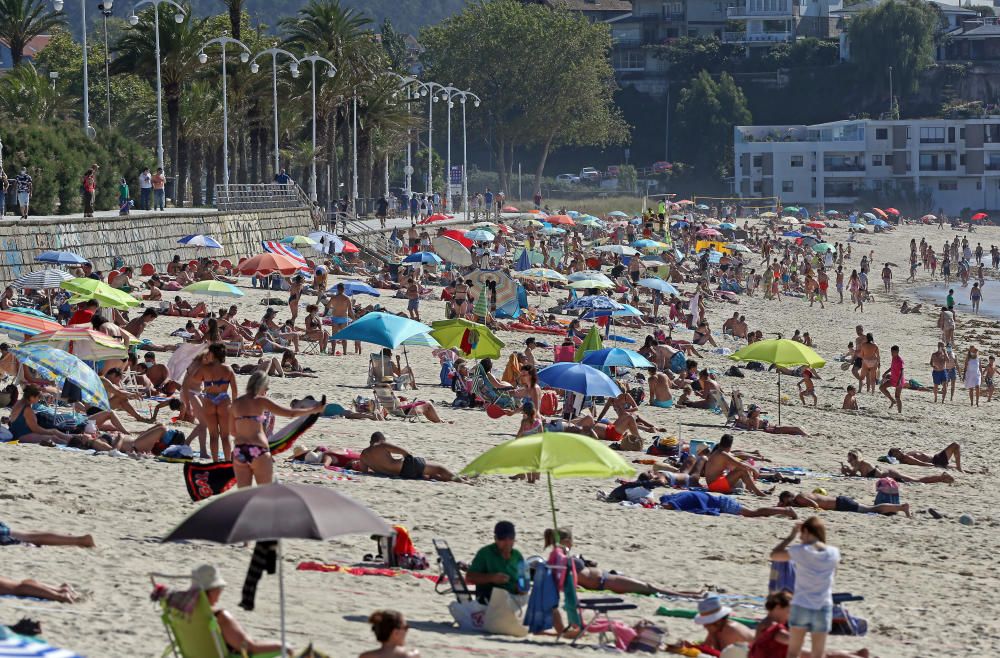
940 167
992 166
626 42
756 37
834 168
736 13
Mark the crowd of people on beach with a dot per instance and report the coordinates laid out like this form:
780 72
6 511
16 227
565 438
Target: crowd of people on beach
638 264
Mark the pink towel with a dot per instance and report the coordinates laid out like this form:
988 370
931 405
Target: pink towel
624 634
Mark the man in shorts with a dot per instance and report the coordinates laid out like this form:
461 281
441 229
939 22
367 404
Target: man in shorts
384 458
413 298
340 310
838 504
939 371
24 188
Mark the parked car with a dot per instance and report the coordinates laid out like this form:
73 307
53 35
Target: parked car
567 178
613 171
662 167
589 174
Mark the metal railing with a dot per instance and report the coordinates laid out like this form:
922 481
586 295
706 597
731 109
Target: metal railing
260 196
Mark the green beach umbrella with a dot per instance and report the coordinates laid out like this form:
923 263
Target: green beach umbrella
591 342
452 334
211 288
780 352
85 289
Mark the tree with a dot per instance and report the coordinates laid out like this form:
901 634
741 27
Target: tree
689 55
394 44
23 20
554 88
707 112
27 95
897 34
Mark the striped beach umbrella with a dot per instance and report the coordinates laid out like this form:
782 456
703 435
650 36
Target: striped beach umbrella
82 342
25 325
42 279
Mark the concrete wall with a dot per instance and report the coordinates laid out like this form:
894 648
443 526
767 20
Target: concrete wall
143 238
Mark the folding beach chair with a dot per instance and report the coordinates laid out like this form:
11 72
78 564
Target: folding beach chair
192 629
451 573
485 391
386 398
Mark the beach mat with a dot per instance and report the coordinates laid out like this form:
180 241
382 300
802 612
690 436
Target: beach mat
664 611
364 571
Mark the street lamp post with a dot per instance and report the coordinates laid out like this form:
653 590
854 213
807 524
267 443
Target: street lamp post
331 71
408 82
294 68
105 9
244 57
432 93
134 20
465 153
58 4
452 92
354 157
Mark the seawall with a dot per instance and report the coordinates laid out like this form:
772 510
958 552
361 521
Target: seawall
144 237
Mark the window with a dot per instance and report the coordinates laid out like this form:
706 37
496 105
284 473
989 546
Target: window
932 135
951 134
979 184
796 161
961 159
756 187
948 185
876 160
887 160
758 160
877 185
937 162
961 133
882 133
628 60
787 186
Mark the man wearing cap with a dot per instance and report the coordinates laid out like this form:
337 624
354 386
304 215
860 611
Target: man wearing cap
722 631
498 565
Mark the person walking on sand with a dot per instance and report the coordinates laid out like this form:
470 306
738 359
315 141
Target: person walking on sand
973 375
815 564
893 378
976 297
939 372
887 278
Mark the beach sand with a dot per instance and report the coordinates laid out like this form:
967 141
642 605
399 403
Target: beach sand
929 585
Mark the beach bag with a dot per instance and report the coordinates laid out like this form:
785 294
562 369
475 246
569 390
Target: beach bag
504 613
631 443
469 615
648 638
549 403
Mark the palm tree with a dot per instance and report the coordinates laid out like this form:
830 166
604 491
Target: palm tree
201 116
235 9
26 95
180 44
23 20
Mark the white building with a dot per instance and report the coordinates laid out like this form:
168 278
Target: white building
957 162
767 22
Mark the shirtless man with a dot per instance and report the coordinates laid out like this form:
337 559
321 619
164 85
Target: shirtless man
713 397
659 389
8 362
729 326
341 311
941 459
856 465
871 362
951 368
724 471
939 371
413 297
859 340
721 630
384 458
838 504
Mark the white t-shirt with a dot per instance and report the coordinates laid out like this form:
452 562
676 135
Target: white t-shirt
813 575
145 180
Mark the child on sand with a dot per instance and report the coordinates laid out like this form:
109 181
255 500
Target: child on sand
850 399
810 388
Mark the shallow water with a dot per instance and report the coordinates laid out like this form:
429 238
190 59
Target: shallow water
935 295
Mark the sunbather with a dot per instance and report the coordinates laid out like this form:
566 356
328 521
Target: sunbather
390 629
64 593
590 577
940 459
754 422
119 398
856 465
838 504
9 537
384 458
724 472
701 502
207 579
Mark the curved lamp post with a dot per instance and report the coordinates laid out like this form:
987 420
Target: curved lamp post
331 71
133 20
432 89
408 83
294 68
244 57
476 101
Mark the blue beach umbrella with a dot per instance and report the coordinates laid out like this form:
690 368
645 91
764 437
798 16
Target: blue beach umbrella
198 240
424 258
352 288
523 262
792 234
616 357
659 285
383 329
594 302
60 258
578 378
481 235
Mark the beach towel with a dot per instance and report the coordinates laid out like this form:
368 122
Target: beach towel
364 571
207 480
544 598
511 374
265 558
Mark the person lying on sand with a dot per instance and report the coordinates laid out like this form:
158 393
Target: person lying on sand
390 629
858 466
384 458
592 578
207 579
940 459
10 537
838 504
772 637
754 422
701 502
64 593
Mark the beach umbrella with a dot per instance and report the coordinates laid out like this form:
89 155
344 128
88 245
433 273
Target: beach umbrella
619 249
381 328
792 234
276 511
267 263
437 217
727 226
523 262
213 288
822 247
350 248
815 224
33 312
472 339
198 241
562 220
557 454
573 213
297 240
780 352
789 220
659 285
832 212
506 288
679 224
928 218
13 645
531 223
616 357
481 307
60 258
57 366
421 340
352 288
489 226
880 213
593 302
84 343
552 230
804 211
589 275
480 235
579 378
85 289
617 213
590 343
857 227
41 279
736 246
708 233
588 284
880 223
22 324
509 209
458 236
892 211
869 215
791 208
769 214
979 216
541 273
423 258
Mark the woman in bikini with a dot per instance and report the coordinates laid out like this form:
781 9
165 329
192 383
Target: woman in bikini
529 390
294 293
871 362
247 417
314 327
856 465
219 388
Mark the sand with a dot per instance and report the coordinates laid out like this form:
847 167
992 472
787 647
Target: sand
929 585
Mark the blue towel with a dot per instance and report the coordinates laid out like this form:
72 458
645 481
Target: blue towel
543 600
700 502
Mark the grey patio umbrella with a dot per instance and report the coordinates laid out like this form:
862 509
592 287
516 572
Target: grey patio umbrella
277 511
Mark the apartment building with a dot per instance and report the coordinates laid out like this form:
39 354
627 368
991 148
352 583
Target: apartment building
767 22
956 161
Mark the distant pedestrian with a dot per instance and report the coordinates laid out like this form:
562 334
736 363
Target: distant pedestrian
488 199
88 187
4 186
145 189
24 187
159 189
538 200
382 209
282 178
414 209
124 202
